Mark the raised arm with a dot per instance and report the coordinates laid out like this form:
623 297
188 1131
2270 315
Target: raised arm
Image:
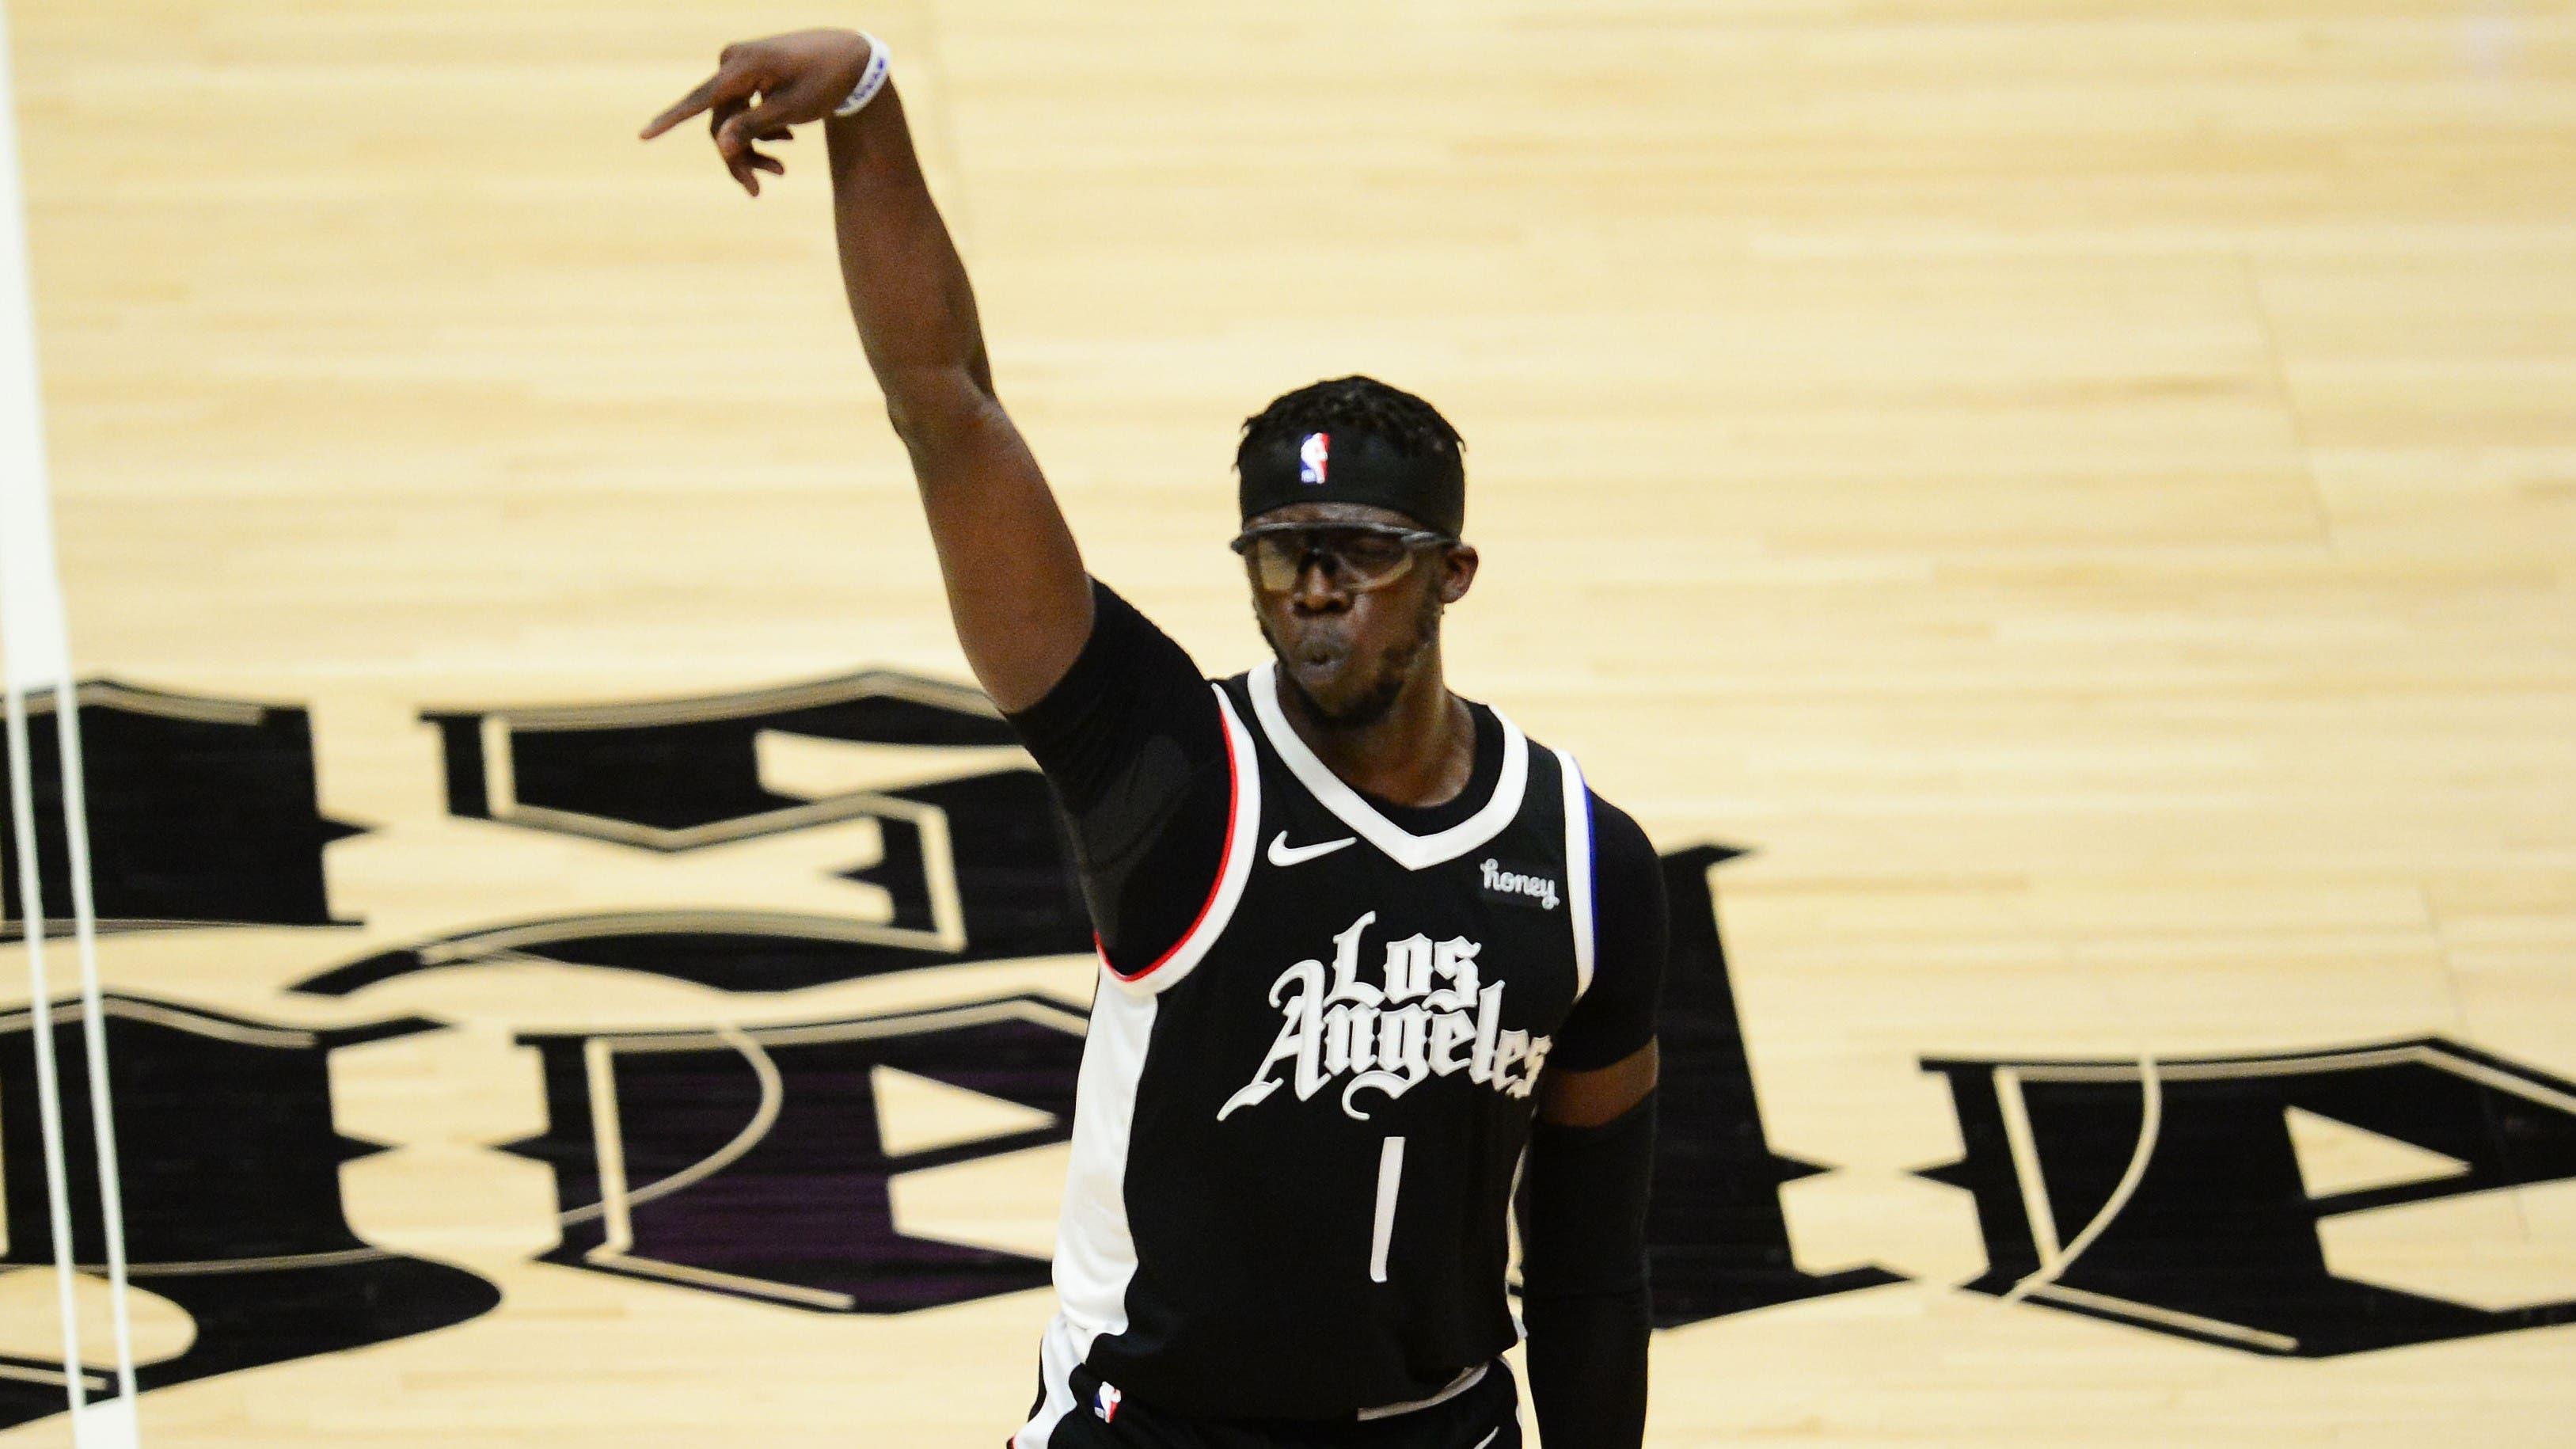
1016 587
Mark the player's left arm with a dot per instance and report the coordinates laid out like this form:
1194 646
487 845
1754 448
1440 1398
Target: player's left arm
1590 1166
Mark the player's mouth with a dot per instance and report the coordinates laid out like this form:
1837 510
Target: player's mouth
1317 663
1314 653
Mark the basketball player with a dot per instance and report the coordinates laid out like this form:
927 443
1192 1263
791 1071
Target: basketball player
1362 941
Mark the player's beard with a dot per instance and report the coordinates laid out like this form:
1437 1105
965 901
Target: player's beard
1385 686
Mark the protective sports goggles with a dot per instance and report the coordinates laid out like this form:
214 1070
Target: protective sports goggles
1357 556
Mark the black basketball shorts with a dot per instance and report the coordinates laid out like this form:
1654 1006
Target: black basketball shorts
1485 1415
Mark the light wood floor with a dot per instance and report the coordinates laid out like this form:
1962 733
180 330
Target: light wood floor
2083 493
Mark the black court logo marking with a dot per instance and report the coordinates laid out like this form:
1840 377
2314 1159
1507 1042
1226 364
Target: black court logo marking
2220 1239
231 1184
753 1162
201 813
1717 1242
964 848
749 1162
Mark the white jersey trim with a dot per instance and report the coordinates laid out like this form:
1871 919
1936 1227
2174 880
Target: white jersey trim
1242 843
1056 1358
1413 852
1578 867
1095 1251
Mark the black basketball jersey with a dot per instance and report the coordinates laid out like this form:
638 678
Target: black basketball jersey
1296 1131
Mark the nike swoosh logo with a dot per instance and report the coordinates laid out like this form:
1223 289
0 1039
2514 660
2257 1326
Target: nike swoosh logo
1489 1437
1282 853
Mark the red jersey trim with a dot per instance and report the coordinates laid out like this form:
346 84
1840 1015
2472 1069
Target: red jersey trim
1216 887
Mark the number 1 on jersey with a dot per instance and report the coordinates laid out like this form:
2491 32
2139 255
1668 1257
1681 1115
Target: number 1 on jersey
1390 1178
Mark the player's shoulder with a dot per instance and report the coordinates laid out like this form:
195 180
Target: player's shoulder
1618 841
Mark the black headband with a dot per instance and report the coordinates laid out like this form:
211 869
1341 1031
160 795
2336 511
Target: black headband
1346 466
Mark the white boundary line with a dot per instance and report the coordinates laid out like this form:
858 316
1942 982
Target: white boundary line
49 1092
38 649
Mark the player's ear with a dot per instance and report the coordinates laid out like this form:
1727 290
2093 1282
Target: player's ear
1457 571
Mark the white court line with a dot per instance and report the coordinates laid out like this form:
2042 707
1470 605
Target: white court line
49 1092
45 1376
2054 1263
2025 1155
617 1199
2135 1311
38 657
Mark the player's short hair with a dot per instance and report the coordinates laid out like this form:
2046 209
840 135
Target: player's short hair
1412 427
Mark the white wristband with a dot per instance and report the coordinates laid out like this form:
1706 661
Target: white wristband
871 80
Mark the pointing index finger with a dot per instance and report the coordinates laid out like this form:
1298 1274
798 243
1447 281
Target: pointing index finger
707 94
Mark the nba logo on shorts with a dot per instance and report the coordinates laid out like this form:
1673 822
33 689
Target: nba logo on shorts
1312 456
1105 1404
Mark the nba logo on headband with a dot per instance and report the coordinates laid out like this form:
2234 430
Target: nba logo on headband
1313 455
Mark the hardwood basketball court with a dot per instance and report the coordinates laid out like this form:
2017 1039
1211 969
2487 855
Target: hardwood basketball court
2057 517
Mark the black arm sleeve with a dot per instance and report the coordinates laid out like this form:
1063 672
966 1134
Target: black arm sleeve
1617 1015
1132 745
1583 1272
